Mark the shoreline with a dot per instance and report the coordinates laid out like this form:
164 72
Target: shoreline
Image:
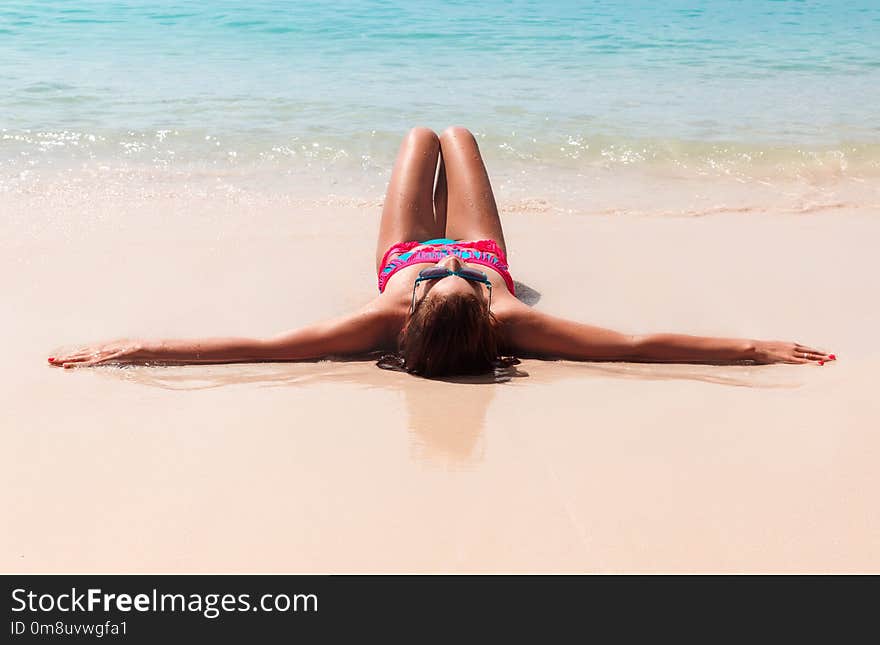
522 187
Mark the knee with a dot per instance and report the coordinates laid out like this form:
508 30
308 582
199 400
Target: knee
422 136
456 132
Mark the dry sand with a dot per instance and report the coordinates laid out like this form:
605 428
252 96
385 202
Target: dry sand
342 467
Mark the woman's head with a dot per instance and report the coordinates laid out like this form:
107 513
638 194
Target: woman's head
450 330
450 334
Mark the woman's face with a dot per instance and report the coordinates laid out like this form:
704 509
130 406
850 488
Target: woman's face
450 284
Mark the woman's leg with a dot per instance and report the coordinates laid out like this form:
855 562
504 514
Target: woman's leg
472 213
408 213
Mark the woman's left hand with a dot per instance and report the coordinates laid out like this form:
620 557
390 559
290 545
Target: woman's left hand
117 351
774 351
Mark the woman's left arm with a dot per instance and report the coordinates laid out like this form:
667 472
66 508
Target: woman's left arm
681 348
535 332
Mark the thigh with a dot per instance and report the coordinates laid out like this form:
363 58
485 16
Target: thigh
471 213
408 212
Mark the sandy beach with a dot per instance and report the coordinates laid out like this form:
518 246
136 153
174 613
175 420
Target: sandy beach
341 467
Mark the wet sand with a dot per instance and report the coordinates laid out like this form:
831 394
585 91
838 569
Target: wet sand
342 467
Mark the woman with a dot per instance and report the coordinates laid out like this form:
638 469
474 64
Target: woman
446 303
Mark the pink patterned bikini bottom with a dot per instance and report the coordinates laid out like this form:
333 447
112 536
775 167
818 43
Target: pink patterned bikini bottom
485 252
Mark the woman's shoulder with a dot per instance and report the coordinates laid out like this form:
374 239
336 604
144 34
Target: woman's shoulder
510 311
393 305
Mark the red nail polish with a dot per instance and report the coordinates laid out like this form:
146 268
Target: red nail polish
821 362
51 359
832 357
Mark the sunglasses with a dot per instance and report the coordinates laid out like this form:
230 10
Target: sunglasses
438 273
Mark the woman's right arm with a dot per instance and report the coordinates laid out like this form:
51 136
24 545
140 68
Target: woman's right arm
365 330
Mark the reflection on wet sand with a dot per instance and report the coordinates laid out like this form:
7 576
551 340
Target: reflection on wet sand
446 418
751 376
446 422
365 373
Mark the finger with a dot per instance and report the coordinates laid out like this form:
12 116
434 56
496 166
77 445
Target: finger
810 350
812 359
74 361
103 359
804 350
76 356
792 356
66 359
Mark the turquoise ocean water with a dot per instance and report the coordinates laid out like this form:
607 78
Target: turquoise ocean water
791 84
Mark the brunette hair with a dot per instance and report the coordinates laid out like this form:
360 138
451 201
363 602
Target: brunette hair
446 336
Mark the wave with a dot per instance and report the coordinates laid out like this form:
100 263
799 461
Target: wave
374 150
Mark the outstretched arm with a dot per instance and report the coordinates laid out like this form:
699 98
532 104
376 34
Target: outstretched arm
534 332
363 331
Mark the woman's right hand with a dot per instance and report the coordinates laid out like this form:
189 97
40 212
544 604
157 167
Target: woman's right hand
117 351
775 351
